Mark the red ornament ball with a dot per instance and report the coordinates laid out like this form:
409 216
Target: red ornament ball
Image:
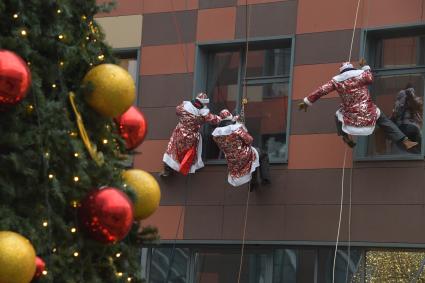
40 266
15 78
106 215
133 127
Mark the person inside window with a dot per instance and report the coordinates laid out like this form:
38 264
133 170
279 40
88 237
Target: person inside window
242 158
184 150
407 114
357 115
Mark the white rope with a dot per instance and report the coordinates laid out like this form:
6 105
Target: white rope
349 224
340 213
244 234
354 30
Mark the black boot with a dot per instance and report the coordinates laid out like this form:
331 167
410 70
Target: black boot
348 141
253 184
166 172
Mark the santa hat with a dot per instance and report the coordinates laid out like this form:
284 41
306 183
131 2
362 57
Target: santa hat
345 66
226 115
203 98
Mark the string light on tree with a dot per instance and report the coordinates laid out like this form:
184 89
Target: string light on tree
118 255
45 224
76 179
51 176
24 32
59 11
73 230
129 279
76 154
119 274
105 141
54 85
44 272
76 254
15 16
61 36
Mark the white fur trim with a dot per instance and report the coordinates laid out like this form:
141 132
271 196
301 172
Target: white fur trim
236 182
366 68
189 107
171 162
306 101
176 165
199 163
225 131
204 111
204 101
346 66
347 75
357 131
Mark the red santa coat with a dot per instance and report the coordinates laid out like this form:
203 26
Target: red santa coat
357 111
186 135
242 158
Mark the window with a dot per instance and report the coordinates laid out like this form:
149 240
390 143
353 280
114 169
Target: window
261 264
268 68
129 60
397 59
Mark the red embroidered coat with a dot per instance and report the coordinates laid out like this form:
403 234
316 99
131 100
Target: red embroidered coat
186 135
357 111
242 158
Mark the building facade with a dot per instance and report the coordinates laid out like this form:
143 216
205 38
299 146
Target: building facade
275 53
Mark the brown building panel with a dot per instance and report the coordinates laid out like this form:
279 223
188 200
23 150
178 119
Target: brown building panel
149 155
166 219
203 222
169 28
388 185
328 15
165 90
307 78
159 6
314 222
314 187
263 223
319 119
317 151
388 223
206 4
165 117
280 20
325 47
123 8
216 24
251 2
167 59
393 12
174 190
207 187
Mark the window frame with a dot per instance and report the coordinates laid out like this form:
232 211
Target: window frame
201 70
369 41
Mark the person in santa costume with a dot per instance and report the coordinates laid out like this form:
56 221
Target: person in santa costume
184 150
357 114
234 140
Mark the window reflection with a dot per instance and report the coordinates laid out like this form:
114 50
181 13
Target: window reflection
385 90
168 263
402 52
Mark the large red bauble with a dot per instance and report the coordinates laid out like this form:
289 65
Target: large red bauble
15 78
40 266
106 215
133 127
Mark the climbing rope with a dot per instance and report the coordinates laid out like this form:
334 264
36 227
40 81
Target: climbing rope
343 177
242 119
187 184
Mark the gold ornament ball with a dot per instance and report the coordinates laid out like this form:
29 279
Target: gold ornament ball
147 192
114 90
17 258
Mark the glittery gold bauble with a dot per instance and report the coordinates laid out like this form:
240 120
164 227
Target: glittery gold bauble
147 192
114 90
17 258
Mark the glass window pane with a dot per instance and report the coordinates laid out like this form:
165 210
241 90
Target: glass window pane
222 82
160 266
130 64
385 91
346 265
268 62
402 52
265 117
223 267
285 262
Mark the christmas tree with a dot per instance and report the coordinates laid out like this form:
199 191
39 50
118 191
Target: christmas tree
46 169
